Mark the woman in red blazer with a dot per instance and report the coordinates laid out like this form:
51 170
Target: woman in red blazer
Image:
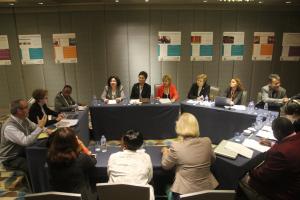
167 89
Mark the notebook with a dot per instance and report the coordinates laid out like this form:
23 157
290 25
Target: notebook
222 151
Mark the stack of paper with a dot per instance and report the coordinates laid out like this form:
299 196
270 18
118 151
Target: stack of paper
238 107
66 123
239 148
112 102
135 101
221 150
255 145
266 132
164 101
191 101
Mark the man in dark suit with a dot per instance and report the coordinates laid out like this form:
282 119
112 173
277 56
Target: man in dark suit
141 90
273 93
278 177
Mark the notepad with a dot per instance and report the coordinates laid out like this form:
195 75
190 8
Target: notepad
42 136
255 145
222 151
165 101
239 148
266 132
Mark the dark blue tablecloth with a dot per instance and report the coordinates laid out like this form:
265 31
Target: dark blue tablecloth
154 121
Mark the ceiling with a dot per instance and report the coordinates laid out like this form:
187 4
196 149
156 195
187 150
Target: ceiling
29 3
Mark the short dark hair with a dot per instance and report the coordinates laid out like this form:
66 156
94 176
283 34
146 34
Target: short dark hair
63 147
143 73
67 86
282 127
115 77
15 105
133 140
292 107
273 76
39 94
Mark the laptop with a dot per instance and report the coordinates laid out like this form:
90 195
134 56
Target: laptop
222 151
222 101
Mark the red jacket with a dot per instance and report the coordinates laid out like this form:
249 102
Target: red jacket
279 176
173 92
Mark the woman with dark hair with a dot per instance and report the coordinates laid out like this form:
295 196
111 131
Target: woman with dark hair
141 89
70 164
292 112
113 90
39 108
200 89
131 165
235 91
278 177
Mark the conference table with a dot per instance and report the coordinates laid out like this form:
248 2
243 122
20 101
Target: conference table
153 120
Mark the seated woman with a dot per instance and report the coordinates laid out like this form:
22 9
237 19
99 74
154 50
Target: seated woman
131 165
200 89
278 177
63 101
113 90
167 89
235 91
39 108
192 158
71 165
141 89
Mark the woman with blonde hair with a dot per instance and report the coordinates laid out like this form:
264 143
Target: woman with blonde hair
235 91
200 89
192 156
167 89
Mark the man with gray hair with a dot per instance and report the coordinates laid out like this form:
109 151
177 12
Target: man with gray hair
18 132
273 94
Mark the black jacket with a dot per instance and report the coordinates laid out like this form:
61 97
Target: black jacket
36 111
193 93
135 92
237 97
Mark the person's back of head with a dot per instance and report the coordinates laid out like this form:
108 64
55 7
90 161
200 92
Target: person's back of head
292 107
282 127
187 126
64 147
132 140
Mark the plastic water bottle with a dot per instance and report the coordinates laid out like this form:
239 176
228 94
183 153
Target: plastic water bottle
266 106
259 122
95 102
251 107
103 144
206 98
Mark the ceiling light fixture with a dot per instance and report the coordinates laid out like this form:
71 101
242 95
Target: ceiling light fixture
11 4
146 1
204 1
40 3
288 2
117 1
260 2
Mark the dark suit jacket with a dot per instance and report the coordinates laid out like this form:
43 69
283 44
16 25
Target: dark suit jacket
279 176
36 111
237 97
193 93
135 92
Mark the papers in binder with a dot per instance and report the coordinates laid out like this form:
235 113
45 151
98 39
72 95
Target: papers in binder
255 145
239 148
266 132
66 123
164 100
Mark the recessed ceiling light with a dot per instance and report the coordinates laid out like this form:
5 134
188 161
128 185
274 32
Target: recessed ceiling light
146 1
11 4
204 1
260 2
117 1
288 2
40 3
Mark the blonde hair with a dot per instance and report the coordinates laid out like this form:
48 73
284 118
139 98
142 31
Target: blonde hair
202 76
167 77
187 126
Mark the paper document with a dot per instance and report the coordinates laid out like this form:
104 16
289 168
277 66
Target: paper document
239 107
191 101
164 101
135 101
112 102
81 108
239 148
253 144
221 150
66 123
266 132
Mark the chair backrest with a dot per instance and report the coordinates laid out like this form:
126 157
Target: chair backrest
156 86
53 196
210 195
259 97
109 191
214 92
244 98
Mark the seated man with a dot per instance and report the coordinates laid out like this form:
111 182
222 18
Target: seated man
16 133
63 100
278 177
273 93
131 166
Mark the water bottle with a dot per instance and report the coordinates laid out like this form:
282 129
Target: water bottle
266 106
103 144
95 101
206 98
259 122
251 107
